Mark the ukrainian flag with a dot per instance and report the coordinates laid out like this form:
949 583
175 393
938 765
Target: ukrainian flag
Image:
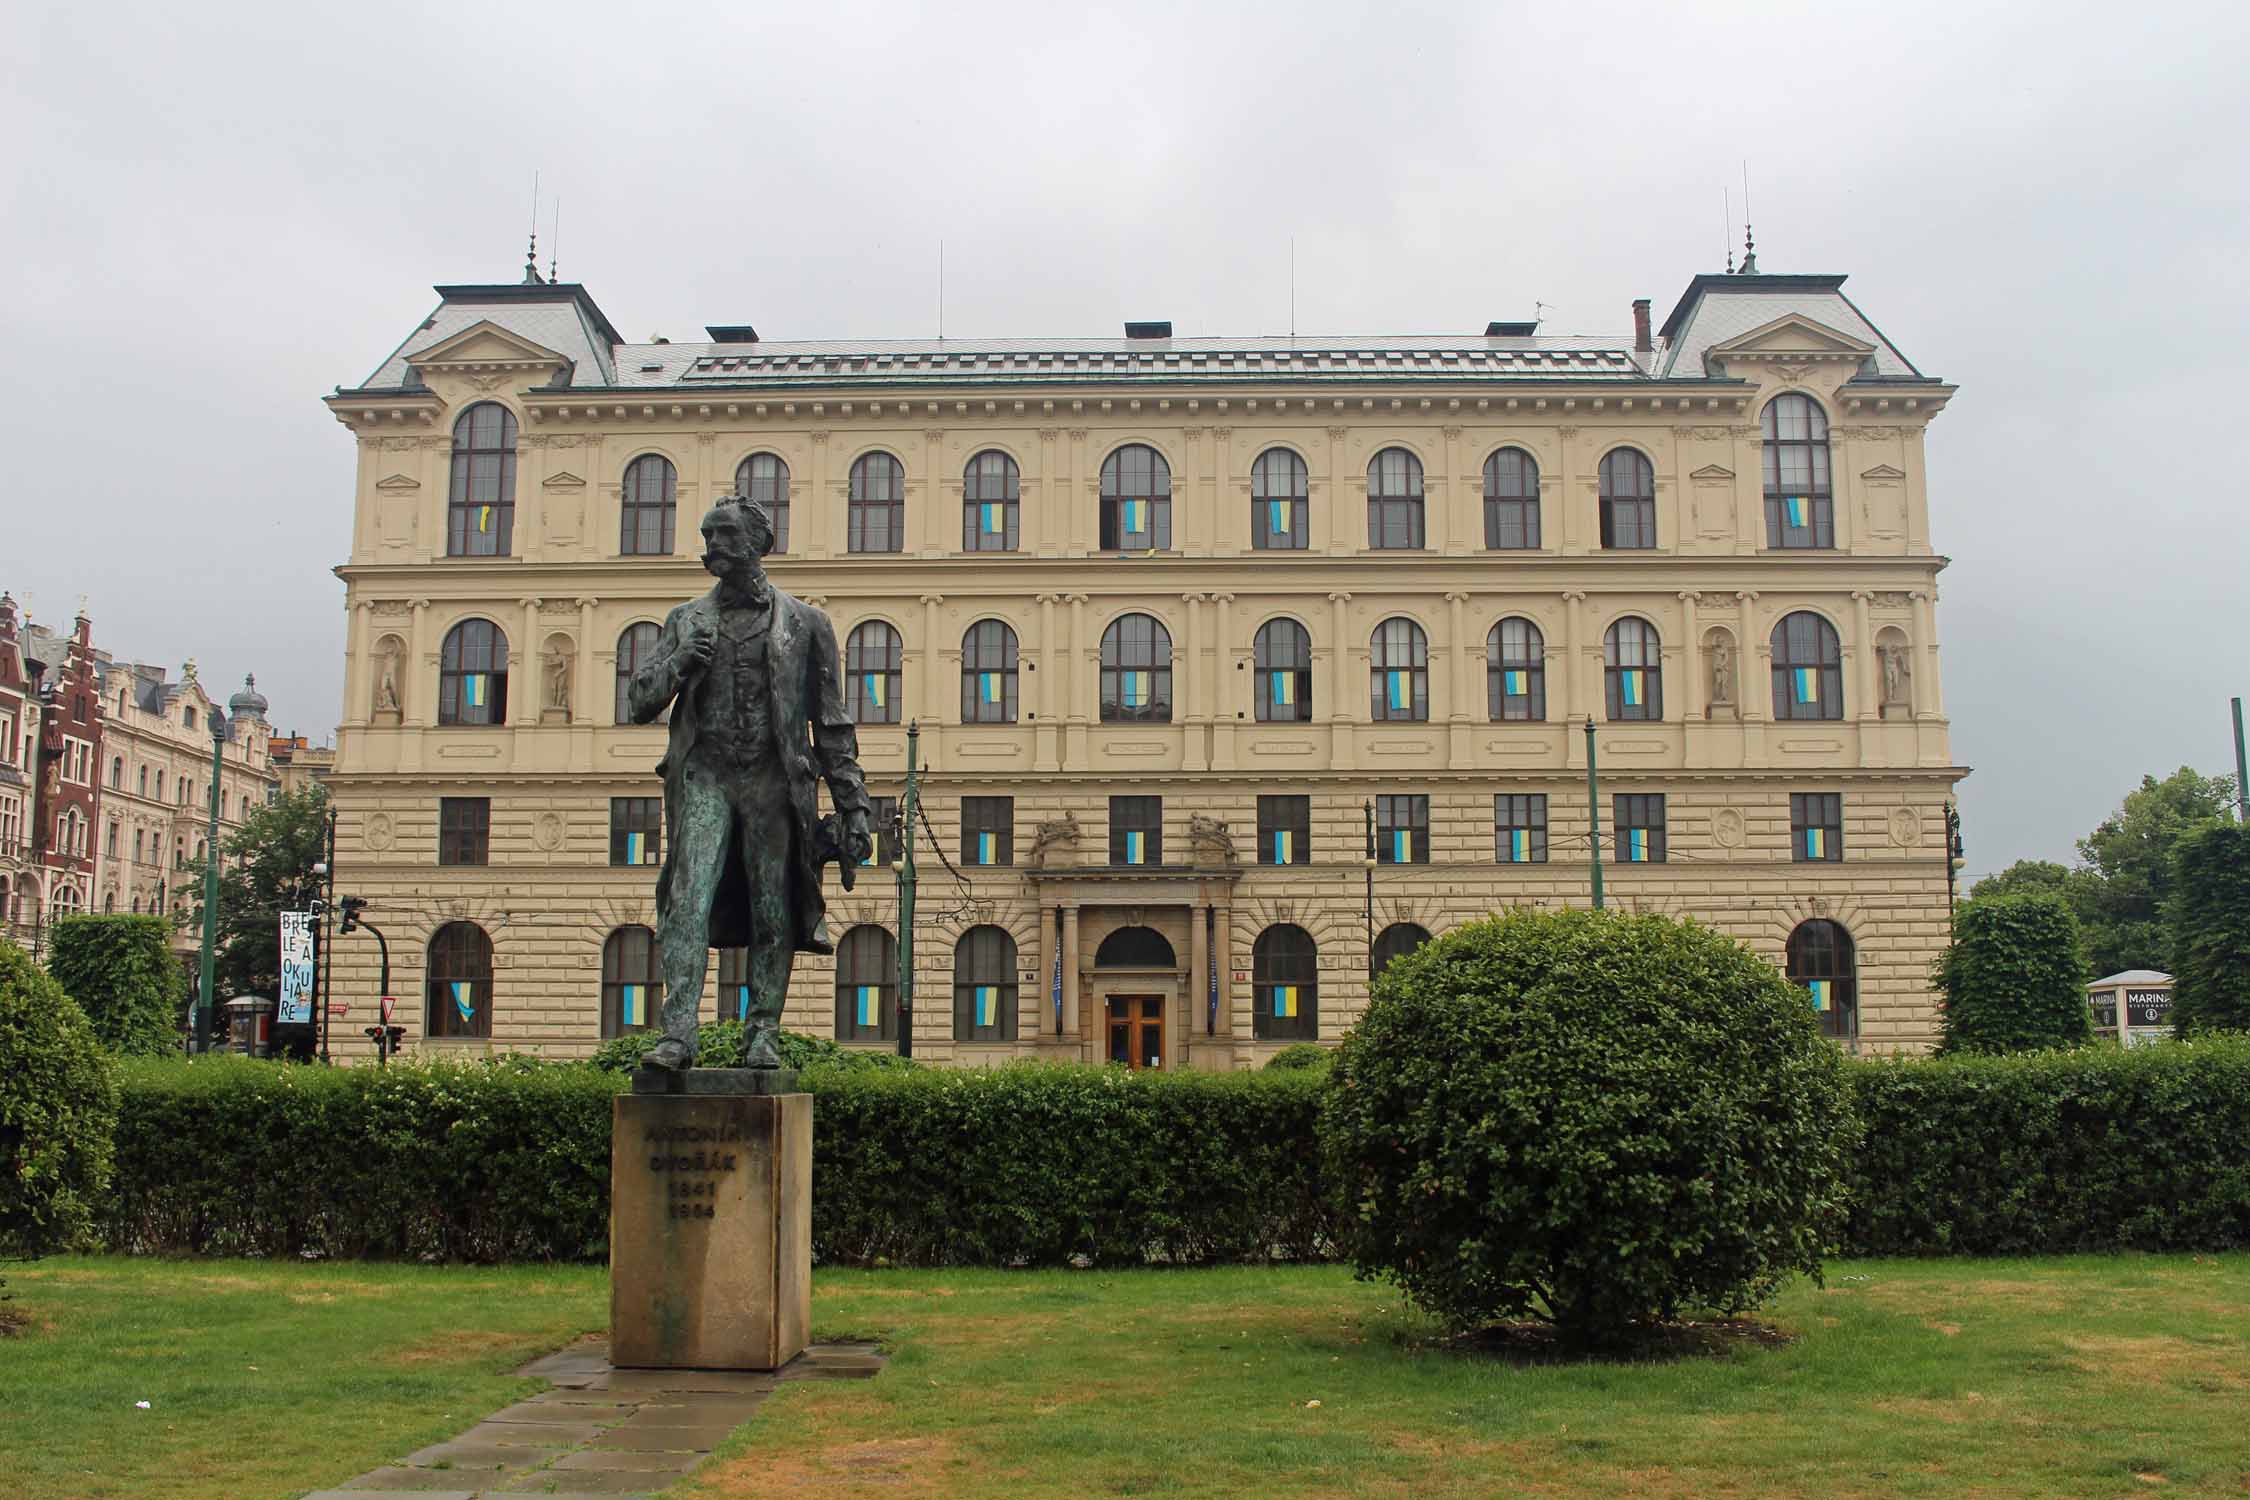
1133 845
1277 517
1796 504
988 849
1136 689
875 685
1629 686
988 686
1519 846
1284 689
742 1002
994 522
1518 684
464 998
474 689
636 851
1402 846
484 518
632 1005
1136 517
1285 1002
869 1003
1816 843
1400 690
1819 988
1808 684
1636 845
988 1004
1281 844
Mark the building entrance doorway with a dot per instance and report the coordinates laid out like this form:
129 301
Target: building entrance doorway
1136 1030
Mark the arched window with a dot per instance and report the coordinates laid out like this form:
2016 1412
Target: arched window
1395 941
867 986
764 479
1278 512
460 990
1808 668
872 658
732 993
876 513
1394 499
1399 661
984 986
117 772
1136 671
1800 504
1285 984
636 644
1821 959
645 527
144 783
1136 500
473 674
988 673
480 513
1136 948
1633 664
67 900
1515 672
1511 500
1283 655
632 982
1628 500
990 489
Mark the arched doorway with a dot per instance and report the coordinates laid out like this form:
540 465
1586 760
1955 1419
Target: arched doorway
1133 1009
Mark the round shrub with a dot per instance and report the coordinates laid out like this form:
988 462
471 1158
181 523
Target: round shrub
58 1112
1300 1057
2013 979
1588 1118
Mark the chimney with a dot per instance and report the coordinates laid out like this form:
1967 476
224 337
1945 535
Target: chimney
1642 344
1149 330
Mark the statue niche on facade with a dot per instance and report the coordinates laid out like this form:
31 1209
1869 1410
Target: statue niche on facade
558 681
759 717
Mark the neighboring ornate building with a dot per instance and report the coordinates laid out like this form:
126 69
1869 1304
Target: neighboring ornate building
1179 619
301 763
21 889
156 786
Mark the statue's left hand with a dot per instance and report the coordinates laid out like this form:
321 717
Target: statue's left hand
858 842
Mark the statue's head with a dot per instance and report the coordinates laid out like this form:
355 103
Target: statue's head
737 534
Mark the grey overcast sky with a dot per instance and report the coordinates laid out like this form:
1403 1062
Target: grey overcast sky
214 214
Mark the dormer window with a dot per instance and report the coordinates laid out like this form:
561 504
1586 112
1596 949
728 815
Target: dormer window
187 716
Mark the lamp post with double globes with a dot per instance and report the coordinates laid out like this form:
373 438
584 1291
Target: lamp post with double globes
209 974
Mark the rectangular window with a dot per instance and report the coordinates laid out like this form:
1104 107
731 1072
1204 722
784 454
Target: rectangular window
1136 830
1816 826
636 830
1285 830
988 830
882 821
1402 830
464 830
1640 828
1519 826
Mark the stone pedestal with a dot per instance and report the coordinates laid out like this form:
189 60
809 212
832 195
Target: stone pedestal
710 1221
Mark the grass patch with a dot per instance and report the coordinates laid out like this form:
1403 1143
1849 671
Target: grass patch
2087 1376
263 1379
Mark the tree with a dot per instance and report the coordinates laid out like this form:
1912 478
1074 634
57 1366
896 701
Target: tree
58 1113
268 868
2131 856
2014 979
121 973
1586 1117
2210 931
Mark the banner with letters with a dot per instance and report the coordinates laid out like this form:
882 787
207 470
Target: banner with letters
297 969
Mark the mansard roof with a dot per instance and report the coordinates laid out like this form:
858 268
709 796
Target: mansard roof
1717 308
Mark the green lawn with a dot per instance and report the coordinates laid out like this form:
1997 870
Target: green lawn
2081 1377
262 1379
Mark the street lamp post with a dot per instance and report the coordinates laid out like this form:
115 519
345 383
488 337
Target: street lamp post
1594 811
210 970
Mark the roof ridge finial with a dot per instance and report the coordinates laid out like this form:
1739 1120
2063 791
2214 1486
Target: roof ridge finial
1749 250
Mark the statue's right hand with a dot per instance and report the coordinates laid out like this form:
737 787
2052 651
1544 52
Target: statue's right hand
700 647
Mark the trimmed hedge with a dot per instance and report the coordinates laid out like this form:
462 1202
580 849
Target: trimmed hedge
122 973
2045 1153
58 1113
2053 1152
2013 978
2210 921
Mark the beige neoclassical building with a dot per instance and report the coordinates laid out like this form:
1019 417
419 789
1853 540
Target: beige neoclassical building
1238 664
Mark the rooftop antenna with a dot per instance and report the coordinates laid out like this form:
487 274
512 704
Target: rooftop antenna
554 239
1749 244
1292 288
1539 310
1726 206
941 291
531 256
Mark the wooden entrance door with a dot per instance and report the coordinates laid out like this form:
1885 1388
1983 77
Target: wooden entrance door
1136 1030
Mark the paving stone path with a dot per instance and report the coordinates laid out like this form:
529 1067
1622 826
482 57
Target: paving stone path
601 1433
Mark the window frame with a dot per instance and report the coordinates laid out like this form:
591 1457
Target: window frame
1397 813
1815 647
1284 954
1395 637
637 944
474 465
467 960
642 518
1647 813
1119 487
1519 812
851 960
1511 495
985 956
989 646
1136 813
988 815
1377 962
636 815
636 646
1287 813
1816 813
982 484
1294 492
875 504
775 484
866 655
1647 646
1395 502
1628 501
1156 660
455 654
882 823
1531 660
1801 965
464 832
1264 649
1817 495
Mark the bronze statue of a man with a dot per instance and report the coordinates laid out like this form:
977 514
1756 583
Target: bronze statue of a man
758 717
